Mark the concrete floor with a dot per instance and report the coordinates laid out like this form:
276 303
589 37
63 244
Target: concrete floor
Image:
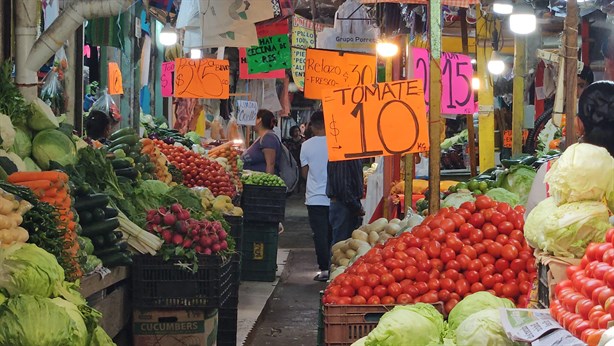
288 308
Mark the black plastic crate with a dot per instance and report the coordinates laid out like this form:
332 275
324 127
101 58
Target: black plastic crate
543 291
163 284
259 260
227 326
263 203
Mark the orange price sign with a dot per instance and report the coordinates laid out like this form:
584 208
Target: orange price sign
375 119
328 69
203 79
507 138
114 80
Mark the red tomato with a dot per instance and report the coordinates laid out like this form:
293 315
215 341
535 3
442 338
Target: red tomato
450 305
480 248
470 206
475 265
457 219
477 220
451 274
510 291
508 275
517 235
495 249
438 234
437 264
601 249
422 276
400 254
422 287
395 289
608 257
435 222
344 301
583 307
433 284
488 281
447 284
346 291
465 230
509 252
388 300
477 287
357 282
410 261
374 300
591 249
462 287
454 243
518 265
498 288
430 297
466 214
448 225
476 236
603 321
502 239
412 290
433 249
600 270
472 276
399 274
464 259
443 295
359 300
486 259
604 295
484 202
488 269
387 279
590 285
501 265
365 291
424 265
468 251
447 255
520 209
404 298
380 291
609 235
421 231
497 217
531 267
453 264
490 231
597 293
505 227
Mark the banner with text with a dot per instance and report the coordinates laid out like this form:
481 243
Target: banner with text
273 49
327 69
363 42
204 78
456 75
244 71
166 78
246 112
375 119
303 37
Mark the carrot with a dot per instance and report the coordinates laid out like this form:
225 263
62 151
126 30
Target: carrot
36 184
219 148
19 177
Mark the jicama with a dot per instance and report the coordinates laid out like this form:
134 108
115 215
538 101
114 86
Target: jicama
158 160
138 238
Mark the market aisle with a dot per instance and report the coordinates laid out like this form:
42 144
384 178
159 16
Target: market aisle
290 317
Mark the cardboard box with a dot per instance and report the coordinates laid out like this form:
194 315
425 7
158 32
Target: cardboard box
175 327
552 271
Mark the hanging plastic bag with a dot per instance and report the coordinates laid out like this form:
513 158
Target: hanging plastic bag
217 130
52 93
105 104
232 130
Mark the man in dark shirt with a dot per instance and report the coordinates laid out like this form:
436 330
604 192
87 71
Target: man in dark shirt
345 189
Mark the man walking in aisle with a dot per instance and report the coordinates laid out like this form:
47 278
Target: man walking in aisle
345 190
314 157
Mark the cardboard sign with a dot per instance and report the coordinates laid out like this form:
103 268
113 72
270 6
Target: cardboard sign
507 137
375 119
327 69
456 76
114 81
244 71
303 37
272 53
204 78
246 112
166 78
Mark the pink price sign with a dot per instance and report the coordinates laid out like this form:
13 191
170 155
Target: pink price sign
166 78
456 76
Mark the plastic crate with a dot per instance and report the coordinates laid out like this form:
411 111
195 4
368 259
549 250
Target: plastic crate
543 290
263 203
259 260
236 230
345 324
227 328
162 284
320 340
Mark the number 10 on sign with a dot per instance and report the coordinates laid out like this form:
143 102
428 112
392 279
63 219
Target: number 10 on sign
371 120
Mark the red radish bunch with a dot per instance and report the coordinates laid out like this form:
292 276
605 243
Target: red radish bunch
177 228
198 170
457 252
584 302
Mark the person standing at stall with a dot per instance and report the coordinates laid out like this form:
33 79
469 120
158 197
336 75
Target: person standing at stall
263 155
345 190
314 159
294 144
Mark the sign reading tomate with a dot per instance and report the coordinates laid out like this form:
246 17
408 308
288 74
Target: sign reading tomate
456 76
375 119
328 69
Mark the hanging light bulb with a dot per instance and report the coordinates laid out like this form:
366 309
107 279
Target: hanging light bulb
496 66
522 19
502 7
196 53
475 83
386 49
168 34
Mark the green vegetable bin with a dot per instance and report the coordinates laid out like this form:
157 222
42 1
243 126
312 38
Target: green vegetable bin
259 260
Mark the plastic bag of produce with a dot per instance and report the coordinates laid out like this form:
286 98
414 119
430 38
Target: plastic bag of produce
483 328
52 93
105 104
421 323
584 172
473 303
566 230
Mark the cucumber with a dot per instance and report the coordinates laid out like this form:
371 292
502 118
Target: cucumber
101 228
121 132
84 189
121 163
110 239
129 140
110 213
123 147
119 235
116 259
150 167
130 173
92 202
108 251
98 241
124 180
98 214
86 217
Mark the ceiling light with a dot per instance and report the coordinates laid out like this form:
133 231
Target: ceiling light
168 35
496 66
502 6
386 49
474 61
475 83
522 19
196 53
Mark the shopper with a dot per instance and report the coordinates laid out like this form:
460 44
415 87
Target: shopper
594 125
294 144
98 126
314 159
263 154
345 190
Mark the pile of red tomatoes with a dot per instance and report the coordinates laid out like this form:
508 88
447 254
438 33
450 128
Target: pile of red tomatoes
478 247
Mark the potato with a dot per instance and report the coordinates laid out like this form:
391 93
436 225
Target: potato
394 221
350 253
346 245
378 225
344 262
337 246
383 238
355 244
337 254
360 235
373 237
392 228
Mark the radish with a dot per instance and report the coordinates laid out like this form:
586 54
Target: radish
169 219
156 219
162 210
196 239
216 247
222 235
214 238
176 208
157 228
187 243
167 236
151 214
181 227
177 239
149 227
194 232
198 249
183 215
223 245
205 242
206 251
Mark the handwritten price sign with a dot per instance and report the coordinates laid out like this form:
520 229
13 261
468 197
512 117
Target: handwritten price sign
507 138
166 78
375 119
204 79
247 112
244 70
115 79
456 76
327 69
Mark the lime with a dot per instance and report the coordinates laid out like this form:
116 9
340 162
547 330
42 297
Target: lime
483 186
473 185
461 186
452 188
491 184
477 192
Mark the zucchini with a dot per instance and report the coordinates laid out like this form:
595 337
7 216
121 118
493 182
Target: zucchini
98 241
110 213
150 167
107 251
135 155
123 147
121 133
124 180
148 176
84 189
121 163
130 140
92 202
116 259
101 228
129 173
98 214
110 239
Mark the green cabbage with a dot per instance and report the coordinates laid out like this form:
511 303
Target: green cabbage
31 166
100 338
502 195
483 328
28 320
360 342
53 145
80 334
42 117
566 230
23 143
7 132
473 303
518 179
457 198
584 172
418 324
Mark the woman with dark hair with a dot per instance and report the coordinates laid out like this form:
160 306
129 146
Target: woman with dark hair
98 125
294 144
263 155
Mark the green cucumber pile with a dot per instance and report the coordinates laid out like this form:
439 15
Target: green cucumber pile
128 162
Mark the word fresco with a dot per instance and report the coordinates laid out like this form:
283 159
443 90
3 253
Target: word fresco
375 119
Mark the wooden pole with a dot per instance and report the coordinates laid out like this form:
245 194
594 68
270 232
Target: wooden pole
469 117
388 160
571 70
486 131
520 62
409 158
434 9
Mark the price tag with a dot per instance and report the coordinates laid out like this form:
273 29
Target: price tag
166 78
507 137
375 119
327 70
102 271
244 71
246 112
205 78
273 49
115 79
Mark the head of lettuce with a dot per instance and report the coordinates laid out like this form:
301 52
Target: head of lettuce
418 324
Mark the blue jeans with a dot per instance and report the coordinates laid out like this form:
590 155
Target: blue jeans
322 233
343 221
